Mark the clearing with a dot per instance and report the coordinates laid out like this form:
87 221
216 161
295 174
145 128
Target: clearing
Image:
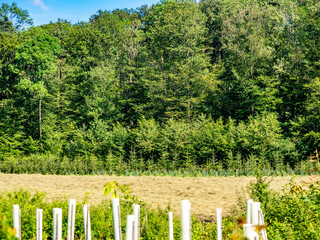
205 193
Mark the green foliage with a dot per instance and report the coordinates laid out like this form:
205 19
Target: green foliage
114 187
231 87
215 147
154 222
13 18
176 78
259 191
291 214
6 231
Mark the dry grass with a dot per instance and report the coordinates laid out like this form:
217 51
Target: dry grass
205 193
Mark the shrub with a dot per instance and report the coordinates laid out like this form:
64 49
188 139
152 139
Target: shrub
292 214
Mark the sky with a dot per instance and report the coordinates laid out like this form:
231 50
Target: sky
44 11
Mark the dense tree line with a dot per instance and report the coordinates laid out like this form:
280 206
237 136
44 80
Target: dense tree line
176 83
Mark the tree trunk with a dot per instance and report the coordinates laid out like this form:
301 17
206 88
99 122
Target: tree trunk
40 118
59 87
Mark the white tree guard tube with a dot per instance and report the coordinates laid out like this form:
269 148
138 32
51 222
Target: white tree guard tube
170 226
219 224
190 233
255 207
249 202
136 213
17 220
249 232
39 223
57 224
71 218
185 220
116 219
86 222
261 223
130 227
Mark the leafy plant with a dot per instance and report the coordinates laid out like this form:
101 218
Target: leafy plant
114 187
154 222
121 191
316 160
6 231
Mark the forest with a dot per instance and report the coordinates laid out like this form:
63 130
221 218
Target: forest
219 85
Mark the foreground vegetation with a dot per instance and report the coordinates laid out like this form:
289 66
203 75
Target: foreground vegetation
224 85
291 214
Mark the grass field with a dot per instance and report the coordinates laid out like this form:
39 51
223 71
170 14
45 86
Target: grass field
205 193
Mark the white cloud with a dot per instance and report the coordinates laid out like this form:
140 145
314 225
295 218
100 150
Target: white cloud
41 4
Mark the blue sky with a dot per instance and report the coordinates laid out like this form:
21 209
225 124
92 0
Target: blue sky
44 11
